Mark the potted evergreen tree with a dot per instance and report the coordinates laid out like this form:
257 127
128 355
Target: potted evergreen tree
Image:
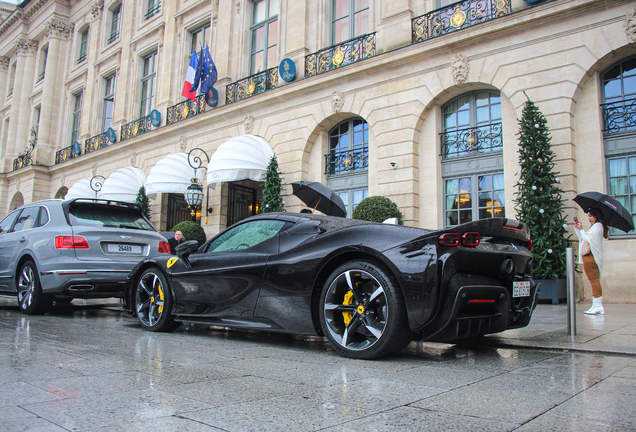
272 199
142 201
539 203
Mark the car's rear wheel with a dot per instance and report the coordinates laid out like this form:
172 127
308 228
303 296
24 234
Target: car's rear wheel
30 297
153 302
363 314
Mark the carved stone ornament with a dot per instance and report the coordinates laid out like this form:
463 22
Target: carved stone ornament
461 68
63 179
133 158
26 47
183 145
249 124
238 7
630 26
4 64
97 8
162 30
17 186
337 101
215 11
59 29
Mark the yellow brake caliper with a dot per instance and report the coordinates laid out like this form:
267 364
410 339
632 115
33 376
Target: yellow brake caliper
160 298
348 299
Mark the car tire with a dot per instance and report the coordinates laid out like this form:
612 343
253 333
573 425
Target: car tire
153 302
31 299
362 311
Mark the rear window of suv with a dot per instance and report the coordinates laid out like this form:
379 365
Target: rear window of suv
107 216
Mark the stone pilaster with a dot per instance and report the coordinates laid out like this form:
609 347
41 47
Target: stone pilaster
394 28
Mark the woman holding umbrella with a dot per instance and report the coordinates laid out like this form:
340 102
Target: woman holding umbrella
593 260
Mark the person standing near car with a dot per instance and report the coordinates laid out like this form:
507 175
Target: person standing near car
592 256
176 241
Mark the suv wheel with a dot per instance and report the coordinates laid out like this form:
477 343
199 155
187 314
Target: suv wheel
30 297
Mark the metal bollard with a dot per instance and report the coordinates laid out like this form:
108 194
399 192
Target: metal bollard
569 257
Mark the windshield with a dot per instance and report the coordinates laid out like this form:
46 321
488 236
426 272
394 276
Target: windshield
246 235
107 216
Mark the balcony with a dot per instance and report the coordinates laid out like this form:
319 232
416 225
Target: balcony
113 37
153 10
619 116
457 16
22 161
339 55
252 85
95 143
135 128
186 109
348 161
65 154
470 141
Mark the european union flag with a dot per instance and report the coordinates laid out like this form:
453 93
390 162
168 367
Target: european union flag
209 73
197 76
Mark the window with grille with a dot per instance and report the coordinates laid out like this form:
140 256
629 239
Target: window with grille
83 47
109 102
77 116
350 19
147 84
115 24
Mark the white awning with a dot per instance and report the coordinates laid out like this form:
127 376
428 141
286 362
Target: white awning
81 189
172 174
123 185
241 158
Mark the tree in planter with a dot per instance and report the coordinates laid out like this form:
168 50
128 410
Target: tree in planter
539 201
272 200
377 209
142 201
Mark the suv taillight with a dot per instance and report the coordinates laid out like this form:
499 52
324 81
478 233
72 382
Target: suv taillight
70 242
164 247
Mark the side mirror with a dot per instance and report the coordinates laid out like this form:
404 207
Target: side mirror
184 250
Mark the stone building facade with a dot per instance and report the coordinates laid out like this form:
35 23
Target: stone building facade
415 100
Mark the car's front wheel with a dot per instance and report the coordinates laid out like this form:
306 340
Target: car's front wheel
153 302
363 313
30 297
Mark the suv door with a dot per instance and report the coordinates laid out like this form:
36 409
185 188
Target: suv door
16 240
6 247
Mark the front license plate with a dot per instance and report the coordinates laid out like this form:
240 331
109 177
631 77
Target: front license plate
124 249
520 289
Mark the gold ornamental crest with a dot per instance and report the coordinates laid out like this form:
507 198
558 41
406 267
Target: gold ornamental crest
186 110
251 87
338 57
458 18
135 129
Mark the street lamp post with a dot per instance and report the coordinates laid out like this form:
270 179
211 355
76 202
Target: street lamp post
96 183
194 193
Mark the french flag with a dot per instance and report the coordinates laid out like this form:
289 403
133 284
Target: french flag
192 70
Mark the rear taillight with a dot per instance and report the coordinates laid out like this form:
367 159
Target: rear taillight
530 245
449 239
471 239
164 247
70 242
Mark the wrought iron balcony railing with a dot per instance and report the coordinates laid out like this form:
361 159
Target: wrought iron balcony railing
135 128
457 16
81 58
40 77
26 158
186 109
65 154
153 10
252 85
95 143
342 54
480 139
619 116
113 37
347 161
22 161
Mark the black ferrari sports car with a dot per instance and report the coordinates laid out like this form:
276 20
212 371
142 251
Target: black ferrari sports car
369 288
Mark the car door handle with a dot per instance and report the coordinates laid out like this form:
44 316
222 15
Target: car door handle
22 239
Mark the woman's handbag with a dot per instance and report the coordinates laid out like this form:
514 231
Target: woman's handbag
585 248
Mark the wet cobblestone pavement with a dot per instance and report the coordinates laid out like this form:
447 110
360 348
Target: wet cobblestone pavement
85 367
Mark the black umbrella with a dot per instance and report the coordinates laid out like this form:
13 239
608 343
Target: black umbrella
319 197
615 214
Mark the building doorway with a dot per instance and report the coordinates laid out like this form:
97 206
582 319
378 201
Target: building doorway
241 203
178 211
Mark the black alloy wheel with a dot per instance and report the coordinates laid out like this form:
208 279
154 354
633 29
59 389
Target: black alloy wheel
363 314
153 302
30 297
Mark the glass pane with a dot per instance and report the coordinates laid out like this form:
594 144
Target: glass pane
361 4
465 216
451 218
451 186
450 120
500 198
617 167
485 183
260 11
257 62
629 85
629 67
613 88
463 118
451 202
632 185
463 103
341 8
482 99
246 235
485 199
483 114
618 186
615 72
358 196
623 200
465 201
258 39
495 112
498 181
361 21
272 38
485 213
633 209
632 165
341 30
271 57
465 185
273 7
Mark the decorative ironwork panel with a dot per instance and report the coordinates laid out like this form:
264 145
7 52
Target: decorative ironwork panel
456 17
343 54
252 85
480 139
619 116
186 109
153 11
241 203
347 161
135 128
65 154
25 159
95 143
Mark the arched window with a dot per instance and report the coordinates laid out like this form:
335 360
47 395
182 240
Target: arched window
347 162
619 134
472 164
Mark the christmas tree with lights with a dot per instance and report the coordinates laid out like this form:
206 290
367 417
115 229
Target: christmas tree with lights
539 201
272 199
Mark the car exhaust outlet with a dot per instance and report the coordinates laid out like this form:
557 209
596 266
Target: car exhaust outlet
81 287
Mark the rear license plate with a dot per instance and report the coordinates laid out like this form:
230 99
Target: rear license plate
521 289
124 249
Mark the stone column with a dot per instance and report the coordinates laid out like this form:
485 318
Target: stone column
20 104
50 109
4 69
296 43
92 91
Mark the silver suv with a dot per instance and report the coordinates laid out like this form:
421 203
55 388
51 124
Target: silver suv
82 248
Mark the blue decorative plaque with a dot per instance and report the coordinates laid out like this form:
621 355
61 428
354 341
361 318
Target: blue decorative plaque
287 70
111 135
76 148
212 97
155 118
